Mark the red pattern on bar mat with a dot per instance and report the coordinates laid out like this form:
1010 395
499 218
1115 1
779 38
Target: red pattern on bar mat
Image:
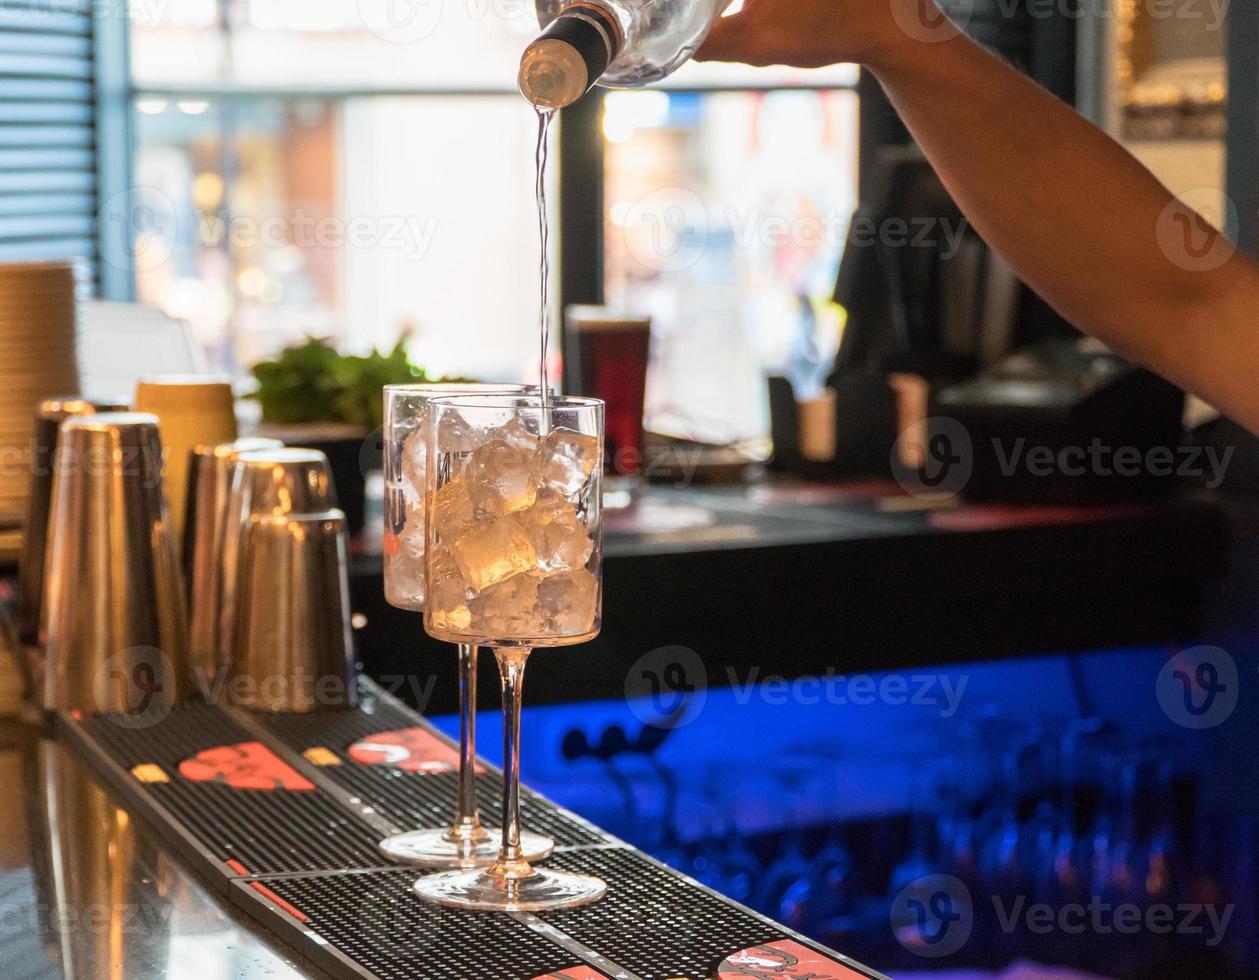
408 749
271 896
407 799
997 517
248 765
575 973
267 832
783 960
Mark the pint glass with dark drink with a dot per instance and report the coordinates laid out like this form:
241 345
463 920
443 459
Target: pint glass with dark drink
607 354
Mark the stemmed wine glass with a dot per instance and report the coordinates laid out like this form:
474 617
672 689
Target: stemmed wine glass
466 842
514 558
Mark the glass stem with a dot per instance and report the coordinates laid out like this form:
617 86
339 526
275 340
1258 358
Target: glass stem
467 824
511 668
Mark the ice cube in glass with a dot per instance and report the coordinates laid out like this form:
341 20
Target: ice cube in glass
447 593
489 552
509 609
558 535
569 601
500 480
452 508
565 461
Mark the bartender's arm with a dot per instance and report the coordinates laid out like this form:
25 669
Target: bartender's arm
1077 217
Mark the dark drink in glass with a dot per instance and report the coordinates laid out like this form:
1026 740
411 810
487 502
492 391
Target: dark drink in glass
607 354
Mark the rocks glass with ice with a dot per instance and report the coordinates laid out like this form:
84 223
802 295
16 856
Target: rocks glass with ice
466 843
514 558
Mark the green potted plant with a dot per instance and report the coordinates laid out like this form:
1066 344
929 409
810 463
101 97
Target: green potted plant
314 396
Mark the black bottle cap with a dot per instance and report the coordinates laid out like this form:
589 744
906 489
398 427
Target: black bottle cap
592 32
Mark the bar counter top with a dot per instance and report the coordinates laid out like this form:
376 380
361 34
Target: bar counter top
90 887
134 914
203 841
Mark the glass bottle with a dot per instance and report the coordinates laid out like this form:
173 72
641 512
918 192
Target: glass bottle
614 43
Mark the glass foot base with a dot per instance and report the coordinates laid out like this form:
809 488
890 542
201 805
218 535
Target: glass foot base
434 849
543 889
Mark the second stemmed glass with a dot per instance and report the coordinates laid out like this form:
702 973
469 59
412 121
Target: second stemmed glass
466 843
514 556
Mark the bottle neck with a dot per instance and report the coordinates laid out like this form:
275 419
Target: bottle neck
570 56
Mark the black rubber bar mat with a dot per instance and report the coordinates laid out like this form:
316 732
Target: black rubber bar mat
284 815
401 796
370 924
262 794
245 809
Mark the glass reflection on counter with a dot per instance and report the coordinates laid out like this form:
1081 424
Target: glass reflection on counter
87 891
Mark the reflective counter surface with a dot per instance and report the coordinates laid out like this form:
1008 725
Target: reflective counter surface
87 892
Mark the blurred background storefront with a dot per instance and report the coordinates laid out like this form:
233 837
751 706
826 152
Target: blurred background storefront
297 165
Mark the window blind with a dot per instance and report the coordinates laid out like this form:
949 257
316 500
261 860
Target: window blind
48 144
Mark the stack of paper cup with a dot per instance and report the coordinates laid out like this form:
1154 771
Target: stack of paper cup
37 361
192 411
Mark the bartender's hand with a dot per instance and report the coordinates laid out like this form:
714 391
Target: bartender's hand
816 33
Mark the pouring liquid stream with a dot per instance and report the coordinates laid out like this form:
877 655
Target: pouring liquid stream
544 236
